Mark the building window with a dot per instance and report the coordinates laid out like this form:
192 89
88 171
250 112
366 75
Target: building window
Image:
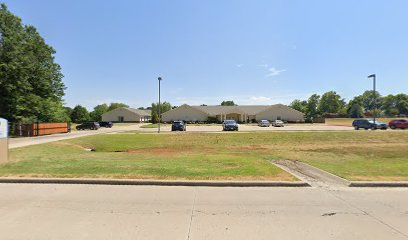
121 119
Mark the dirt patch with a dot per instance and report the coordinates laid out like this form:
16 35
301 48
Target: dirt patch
71 145
170 151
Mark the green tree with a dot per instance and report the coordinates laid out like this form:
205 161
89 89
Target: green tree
228 103
155 117
79 114
354 107
165 106
117 105
368 100
30 80
96 114
402 103
299 105
311 106
389 105
53 112
330 103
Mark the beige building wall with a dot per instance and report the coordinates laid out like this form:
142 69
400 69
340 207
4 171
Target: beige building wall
185 113
113 116
280 112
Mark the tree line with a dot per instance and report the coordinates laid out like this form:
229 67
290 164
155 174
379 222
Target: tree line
31 87
331 104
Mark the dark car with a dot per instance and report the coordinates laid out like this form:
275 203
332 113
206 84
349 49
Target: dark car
106 124
398 123
178 126
368 124
230 125
88 125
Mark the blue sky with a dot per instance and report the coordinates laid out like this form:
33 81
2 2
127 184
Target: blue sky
252 52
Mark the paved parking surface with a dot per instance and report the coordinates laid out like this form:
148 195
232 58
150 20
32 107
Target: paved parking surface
250 128
35 211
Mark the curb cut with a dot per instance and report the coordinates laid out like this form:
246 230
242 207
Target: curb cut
378 184
155 182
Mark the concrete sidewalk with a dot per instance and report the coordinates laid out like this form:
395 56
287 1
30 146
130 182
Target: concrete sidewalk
46 211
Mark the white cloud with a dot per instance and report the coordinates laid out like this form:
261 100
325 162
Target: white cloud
239 65
240 99
263 65
275 72
260 99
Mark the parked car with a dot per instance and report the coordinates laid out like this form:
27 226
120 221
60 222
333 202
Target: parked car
178 126
229 125
264 123
398 123
106 124
278 123
369 124
88 125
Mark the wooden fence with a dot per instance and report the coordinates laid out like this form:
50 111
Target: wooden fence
39 129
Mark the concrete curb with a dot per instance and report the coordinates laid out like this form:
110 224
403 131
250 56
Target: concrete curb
378 184
154 182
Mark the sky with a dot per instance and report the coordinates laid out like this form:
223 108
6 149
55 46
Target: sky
251 52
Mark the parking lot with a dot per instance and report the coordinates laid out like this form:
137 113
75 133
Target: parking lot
250 128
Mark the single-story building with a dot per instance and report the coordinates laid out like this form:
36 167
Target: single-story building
248 113
123 114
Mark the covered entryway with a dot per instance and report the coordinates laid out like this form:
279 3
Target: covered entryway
238 117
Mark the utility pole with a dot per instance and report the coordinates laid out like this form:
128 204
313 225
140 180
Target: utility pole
158 129
374 97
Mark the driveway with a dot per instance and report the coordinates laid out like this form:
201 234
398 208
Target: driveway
26 141
35 211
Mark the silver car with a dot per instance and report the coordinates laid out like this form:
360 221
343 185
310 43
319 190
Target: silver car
264 123
277 123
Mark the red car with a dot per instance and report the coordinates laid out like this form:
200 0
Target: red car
398 123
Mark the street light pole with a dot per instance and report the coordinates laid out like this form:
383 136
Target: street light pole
375 96
158 130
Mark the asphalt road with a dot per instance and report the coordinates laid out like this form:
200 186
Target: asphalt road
35 211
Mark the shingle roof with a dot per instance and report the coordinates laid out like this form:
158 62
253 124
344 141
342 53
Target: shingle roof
247 109
140 112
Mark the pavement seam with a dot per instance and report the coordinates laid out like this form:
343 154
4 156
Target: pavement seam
192 214
370 215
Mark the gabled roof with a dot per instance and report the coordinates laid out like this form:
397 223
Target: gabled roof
244 109
140 112
280 106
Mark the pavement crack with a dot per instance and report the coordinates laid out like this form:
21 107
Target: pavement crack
328 214
192 213
370 215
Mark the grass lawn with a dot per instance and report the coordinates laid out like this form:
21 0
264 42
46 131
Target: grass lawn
359 155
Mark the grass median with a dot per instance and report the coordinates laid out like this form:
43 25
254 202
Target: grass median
362 155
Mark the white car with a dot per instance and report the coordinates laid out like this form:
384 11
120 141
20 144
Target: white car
277 123
264 123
